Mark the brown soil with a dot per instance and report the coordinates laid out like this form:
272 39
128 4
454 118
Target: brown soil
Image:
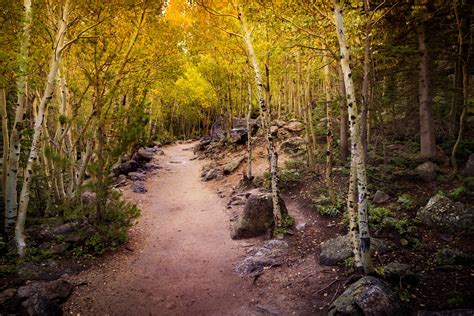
180 257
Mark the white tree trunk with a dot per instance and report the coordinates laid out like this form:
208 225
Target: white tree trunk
249 136
13 160
266 111
33 156
3 113
329 133
356 151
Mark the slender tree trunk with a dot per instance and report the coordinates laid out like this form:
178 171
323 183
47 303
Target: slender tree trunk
6 144
249 135
352 212
343 137
11 196
462 12
3 165
365 84
267 113
427 132
308 118
33 156
329 133
356 153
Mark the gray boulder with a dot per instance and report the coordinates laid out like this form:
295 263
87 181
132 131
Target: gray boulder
368 296
426 171
293 145
238 122
212 174
38 305
126 167
136 176
56 291
399 274
469 169
380 197
442 213
202 145
234 164
238 135
144 155
139 187
294 126
257 216
335 250
266 256
217 129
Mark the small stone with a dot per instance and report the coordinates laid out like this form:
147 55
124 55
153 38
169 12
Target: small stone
426 171
301 226
380 197
139 187
403 242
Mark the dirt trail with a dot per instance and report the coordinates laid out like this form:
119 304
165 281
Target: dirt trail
182 260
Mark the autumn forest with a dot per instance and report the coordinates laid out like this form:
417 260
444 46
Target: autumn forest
226 157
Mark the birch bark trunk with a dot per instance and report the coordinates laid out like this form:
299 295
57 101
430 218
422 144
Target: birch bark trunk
329 133
42 108
354 123
273 156
13 160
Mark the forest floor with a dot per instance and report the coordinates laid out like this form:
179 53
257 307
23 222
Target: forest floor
180 258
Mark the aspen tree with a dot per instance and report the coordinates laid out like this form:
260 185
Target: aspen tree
266 110
356 142
33 156
329 132
13 159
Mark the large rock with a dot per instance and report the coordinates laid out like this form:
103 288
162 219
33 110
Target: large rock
426 171
39 306
265 257
234 164
293 145
212 174
238 122
338 249
368 296
442 213
469 169
238 135
294 126
56 291
143 155
217 129
125 167
257 216
399 274
202 145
